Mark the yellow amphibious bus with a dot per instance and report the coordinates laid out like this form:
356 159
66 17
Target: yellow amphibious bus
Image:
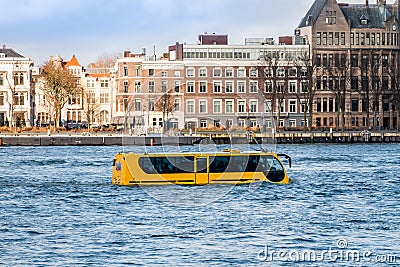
226 167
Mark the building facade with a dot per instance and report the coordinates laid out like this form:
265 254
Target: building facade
92 105
211 84
355 51
15 89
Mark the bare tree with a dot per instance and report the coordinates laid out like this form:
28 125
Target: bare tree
306 64
340 79
271 70
91 106
165 104
12 86
393 72
104 61
58 86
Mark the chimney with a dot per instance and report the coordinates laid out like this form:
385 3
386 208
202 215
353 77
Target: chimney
366 3
4 46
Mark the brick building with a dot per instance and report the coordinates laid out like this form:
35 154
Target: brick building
356 58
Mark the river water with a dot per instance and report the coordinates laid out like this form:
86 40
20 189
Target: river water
58 208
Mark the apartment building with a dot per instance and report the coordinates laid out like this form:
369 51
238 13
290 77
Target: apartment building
15 88
210 84
355 49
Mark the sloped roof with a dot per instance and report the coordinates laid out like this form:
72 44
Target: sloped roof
9 52
313 13
73 62
375 14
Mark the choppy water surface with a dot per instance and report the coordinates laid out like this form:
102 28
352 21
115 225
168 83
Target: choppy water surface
58 208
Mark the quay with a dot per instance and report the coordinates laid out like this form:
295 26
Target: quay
98 139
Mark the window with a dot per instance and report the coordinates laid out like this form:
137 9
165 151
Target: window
217 72
203 72
217 106
241 72
203 106
177 86
151 104
203 123
190 106
292 106
229 87
354 105
151 86
138 87
253 72
304 86
104 83
281 72
343 38
229 106
336 38
241 106
241 87
176 104
281 87
203 87
104 98
324 38
90 83
126 87
354 60
3 96
137 105
190 72
164 86
217 87
151 72
253 106
292 72
253 86
292 87
18 78
91 98
164 74
190 87
268 87
229 72
126 71
330 38
318 38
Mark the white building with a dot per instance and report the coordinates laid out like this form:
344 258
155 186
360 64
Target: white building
15 88
91 105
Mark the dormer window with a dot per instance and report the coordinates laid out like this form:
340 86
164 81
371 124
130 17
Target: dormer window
364 20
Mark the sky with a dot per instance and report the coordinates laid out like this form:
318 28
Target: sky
91 29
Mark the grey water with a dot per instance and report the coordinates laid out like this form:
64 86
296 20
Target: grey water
342 208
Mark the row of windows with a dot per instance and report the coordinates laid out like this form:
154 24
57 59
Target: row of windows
18 99
331 38
104 83
19 78
372 39
218 72
372 62
241 106
363 83
217 54
330 60
220 87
